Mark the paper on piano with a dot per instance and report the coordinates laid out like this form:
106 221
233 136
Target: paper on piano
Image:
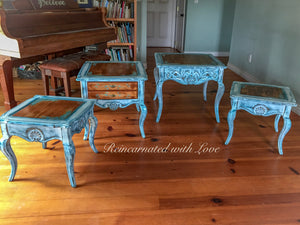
9 46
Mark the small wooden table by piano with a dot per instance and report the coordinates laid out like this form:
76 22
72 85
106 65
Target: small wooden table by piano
115 85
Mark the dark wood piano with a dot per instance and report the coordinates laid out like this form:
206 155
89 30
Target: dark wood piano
32 30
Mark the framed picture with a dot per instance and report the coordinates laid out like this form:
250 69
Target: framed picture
85 3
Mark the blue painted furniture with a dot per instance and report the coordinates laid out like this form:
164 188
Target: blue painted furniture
115 85
188 69
262 100
43 118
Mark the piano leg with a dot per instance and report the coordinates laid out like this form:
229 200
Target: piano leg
6 80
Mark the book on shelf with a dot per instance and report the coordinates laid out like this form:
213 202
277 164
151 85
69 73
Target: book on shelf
130 52
125 31
121 15
131 10
118 8
120 53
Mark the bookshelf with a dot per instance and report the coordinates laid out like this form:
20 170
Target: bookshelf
122 14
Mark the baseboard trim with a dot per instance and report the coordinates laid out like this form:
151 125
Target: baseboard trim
247 76
145 65
250 78
296 110
221 54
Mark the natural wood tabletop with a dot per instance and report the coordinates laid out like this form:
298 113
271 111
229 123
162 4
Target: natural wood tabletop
263 91
188 59
49 109
113 69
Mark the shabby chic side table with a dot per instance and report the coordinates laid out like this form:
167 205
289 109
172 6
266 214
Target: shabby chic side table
115 85
43 118
262 100
188 69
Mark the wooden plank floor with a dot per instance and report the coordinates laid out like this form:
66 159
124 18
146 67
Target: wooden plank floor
246 182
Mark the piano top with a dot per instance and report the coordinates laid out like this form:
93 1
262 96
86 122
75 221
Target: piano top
33 27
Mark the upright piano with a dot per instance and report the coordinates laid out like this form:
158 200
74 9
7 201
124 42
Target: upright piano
32 30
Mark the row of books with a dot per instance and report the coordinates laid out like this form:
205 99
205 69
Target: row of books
118 8
125 32
120 53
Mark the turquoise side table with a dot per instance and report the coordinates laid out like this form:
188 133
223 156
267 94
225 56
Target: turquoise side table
115 85
262 100
43 118
188 69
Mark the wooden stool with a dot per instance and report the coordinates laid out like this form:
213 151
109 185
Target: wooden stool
64 68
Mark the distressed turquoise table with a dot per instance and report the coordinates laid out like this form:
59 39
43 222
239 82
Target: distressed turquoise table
188 69
262 100
115 85
43 118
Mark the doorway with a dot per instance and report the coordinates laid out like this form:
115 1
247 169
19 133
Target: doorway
180 25
161 23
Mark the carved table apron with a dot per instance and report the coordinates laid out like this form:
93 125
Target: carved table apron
115 85
43 118
188 69
262 100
